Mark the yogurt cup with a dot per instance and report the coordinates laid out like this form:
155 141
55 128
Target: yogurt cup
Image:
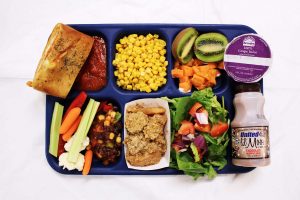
247 58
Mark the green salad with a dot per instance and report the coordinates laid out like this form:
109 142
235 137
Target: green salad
199 134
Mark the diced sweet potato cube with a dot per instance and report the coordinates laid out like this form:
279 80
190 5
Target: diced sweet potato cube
204 74
185 86
187 70
184 79
197 80
177 73
196 69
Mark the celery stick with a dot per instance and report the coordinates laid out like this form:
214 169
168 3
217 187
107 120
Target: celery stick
80 133
92 116
54 130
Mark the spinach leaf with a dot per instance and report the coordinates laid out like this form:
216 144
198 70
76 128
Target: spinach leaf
220 162
186 163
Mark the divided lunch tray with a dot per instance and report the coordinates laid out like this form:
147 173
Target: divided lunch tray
111 34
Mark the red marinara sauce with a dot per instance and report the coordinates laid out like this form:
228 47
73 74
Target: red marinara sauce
92 76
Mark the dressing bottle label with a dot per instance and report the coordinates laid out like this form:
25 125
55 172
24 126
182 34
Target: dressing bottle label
250 142
247 58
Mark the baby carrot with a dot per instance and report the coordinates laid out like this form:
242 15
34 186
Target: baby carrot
66 136
87 162
69 120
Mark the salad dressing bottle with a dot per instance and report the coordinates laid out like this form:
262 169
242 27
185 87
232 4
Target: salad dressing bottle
250 128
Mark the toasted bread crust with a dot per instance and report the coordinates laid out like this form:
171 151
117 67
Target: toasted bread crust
64 55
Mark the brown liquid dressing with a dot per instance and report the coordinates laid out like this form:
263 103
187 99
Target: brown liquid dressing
250 128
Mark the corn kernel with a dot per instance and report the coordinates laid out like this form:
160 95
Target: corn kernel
148 89
135 80
111 136
120 76
106 123
142 69
152 85
129 87
113 114
162 73
101 117
122 41
130 58
108 118
155 88
162 52
118 139
162 59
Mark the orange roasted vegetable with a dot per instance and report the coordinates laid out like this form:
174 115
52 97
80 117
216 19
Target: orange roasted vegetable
185 86
187 70
177 73
196 73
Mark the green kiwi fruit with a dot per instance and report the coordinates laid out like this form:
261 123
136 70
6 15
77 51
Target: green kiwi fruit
210 47
183 44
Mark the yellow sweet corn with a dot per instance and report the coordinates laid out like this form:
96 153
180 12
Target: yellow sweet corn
140 62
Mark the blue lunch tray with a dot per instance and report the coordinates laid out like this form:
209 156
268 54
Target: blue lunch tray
111 34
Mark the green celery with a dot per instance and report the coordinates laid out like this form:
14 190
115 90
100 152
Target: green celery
82 130
54 130
92 116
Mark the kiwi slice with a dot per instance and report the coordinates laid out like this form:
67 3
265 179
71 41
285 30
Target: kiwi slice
183 44
210 47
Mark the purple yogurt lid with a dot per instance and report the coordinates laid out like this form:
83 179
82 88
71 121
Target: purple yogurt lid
247 58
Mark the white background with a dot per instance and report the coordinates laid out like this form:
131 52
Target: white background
24 29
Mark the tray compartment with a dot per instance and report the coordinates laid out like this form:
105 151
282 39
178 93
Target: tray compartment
97 166
139 30
222 81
